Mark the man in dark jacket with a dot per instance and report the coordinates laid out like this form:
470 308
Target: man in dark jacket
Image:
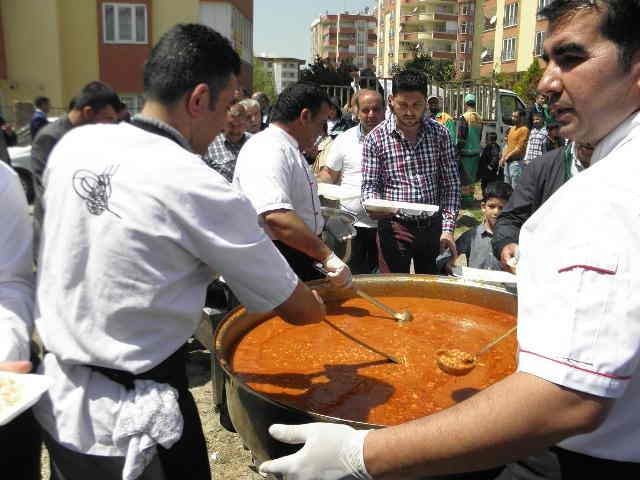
538 182
39 119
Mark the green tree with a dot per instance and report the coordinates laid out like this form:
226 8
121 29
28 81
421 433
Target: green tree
322 72
438 71
527 86
263 80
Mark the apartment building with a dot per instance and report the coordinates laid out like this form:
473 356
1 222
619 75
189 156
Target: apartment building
285 71
512 35
345 37
407 28
54 47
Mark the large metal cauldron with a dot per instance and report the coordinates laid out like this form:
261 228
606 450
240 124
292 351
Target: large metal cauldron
252 413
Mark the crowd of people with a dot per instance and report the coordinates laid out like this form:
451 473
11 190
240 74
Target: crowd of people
134 217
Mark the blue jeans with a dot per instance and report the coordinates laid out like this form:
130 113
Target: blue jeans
512 172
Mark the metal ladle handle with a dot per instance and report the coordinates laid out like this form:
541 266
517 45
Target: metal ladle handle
497 340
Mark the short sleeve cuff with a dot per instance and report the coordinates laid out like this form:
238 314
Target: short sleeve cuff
274 206
575 376
448 225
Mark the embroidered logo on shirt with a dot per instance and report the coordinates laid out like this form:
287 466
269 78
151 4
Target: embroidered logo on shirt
95 189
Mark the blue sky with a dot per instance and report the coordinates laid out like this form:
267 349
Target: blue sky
281 27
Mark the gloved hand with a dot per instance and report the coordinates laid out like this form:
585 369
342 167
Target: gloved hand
337 271
330 452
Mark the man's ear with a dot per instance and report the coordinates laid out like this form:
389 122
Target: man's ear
88 113
305 116
199 100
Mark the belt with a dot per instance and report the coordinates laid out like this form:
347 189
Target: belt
170 370
415 221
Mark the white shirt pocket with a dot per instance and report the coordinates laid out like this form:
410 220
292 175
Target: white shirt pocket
588 276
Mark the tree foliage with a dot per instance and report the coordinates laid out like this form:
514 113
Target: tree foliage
263 80
323 72
438 71
527 86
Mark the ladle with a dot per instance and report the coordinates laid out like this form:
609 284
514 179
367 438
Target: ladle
458 362
402 317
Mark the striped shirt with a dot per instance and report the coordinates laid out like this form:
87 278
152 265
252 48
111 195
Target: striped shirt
537 145
427 172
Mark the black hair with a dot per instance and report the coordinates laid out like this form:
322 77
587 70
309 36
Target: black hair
619 23
96 95
410 81
40 102
499 190
521 113
537 114
492 134
121 106
72 104
295 98
186 56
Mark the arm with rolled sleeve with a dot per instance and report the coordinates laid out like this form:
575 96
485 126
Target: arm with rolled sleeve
372 184
449 179
16 270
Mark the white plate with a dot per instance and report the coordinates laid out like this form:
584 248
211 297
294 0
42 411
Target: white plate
18 392
480 275
337 192
388 206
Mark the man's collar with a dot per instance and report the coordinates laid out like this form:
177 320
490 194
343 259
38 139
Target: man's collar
288 137
393 126
167 129
629 128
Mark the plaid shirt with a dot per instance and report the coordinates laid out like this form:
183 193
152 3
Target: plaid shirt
222 155
537 145
427 172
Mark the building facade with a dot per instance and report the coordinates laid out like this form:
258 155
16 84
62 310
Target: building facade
108 40
345 37
412 27
285 71
512 35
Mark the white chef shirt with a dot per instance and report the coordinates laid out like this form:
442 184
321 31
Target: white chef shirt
136 227
272 172
16 269
579 309
346 156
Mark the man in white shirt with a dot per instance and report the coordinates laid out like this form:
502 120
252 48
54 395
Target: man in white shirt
140 227
344 163
20 440
274 175
578 379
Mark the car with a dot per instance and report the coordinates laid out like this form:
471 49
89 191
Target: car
21 163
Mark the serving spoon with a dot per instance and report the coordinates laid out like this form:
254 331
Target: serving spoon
458 362
403 316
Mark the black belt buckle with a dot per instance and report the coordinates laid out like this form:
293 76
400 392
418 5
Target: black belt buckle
422 221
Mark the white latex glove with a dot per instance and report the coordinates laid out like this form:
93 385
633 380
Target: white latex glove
337 271
330 452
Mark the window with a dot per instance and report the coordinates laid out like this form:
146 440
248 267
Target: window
464 27
509 49
467 9
133 101
463 47
511 15
461 66
124 23
490 22
487 55
537 49
542 4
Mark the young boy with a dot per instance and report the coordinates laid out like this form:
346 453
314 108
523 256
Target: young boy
488 168
476 243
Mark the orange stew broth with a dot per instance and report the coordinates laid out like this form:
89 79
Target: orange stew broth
315 368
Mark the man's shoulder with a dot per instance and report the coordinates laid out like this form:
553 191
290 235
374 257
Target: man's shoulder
56 129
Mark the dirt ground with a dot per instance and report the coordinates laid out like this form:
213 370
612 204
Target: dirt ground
227 457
